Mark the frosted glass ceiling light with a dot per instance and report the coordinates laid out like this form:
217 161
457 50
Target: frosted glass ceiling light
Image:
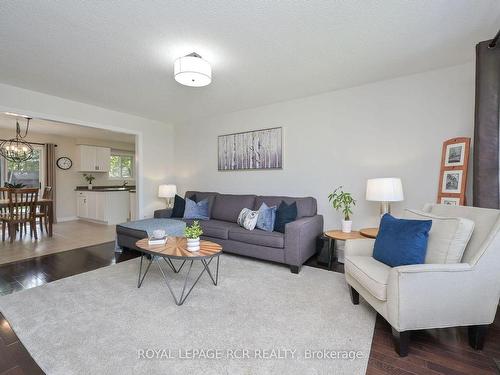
192 70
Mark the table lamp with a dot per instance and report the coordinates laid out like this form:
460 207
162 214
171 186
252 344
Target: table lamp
385 191
168 192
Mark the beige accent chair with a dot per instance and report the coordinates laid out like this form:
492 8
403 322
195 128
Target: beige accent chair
426 296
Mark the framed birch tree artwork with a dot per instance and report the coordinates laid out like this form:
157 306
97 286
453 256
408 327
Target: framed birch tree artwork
258 149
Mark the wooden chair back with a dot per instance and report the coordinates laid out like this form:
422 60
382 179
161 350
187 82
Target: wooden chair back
47 192
4 195
22 204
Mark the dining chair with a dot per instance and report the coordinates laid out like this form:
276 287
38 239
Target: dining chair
4 196
21 210
42 214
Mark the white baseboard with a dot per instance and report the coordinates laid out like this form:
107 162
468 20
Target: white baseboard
68 218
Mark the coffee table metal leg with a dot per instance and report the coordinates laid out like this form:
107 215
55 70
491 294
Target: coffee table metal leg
171 264
206 265
140 280
179 301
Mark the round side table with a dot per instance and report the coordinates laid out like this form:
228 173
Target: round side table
369 232
334 235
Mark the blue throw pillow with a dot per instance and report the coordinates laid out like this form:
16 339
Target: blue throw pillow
266 218
286 213
195 210
401 242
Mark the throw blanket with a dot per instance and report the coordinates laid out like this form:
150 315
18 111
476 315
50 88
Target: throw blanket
171 226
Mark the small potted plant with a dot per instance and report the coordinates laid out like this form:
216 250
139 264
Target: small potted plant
89 178
193 234
343 202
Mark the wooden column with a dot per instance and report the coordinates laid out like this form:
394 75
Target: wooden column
487 125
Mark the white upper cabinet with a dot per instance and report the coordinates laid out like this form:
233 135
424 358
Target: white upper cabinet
93 158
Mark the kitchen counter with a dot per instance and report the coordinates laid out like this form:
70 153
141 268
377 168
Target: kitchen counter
106 188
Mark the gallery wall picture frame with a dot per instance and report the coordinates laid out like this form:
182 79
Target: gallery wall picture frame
450 201
453 172
251 150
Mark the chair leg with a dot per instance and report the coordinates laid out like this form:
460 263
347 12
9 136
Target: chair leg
34 230
477 335
354 296
401 342
45 218
12 232
295 269
3 231
41 224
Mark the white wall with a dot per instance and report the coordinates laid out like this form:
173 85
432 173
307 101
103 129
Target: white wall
155 139
384 129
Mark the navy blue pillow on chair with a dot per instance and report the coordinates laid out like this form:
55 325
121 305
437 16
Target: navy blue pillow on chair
286 213
401 242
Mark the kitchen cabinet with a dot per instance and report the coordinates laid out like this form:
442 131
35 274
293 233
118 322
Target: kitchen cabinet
107 207
93 158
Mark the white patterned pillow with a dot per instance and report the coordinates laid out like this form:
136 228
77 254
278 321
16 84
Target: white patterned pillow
248 218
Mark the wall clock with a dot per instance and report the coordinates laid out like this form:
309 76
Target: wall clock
64 163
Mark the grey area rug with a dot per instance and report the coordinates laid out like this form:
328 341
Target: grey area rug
260 319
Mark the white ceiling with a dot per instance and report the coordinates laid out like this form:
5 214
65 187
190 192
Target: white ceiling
62 129
119 54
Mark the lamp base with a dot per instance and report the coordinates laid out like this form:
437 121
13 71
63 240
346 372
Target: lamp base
385 208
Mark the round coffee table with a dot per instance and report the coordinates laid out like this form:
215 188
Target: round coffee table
176 249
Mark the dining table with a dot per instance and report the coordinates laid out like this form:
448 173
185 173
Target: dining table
42 203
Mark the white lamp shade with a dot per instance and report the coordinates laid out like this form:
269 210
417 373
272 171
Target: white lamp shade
167 191
192 71
384 190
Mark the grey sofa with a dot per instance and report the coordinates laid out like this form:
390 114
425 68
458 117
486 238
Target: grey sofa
292 248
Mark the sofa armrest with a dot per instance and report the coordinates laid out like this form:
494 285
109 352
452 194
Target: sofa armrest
360 246
163 214
439 295
301 239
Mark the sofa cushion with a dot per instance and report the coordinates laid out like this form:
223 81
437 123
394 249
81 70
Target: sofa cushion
448 236
215 228
370 273
195 210
200 195
266 218
248 219
305 206
180 205
257 237
401 242
286 213
227 207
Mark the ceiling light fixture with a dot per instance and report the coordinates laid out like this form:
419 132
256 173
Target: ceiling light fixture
16 149
192 70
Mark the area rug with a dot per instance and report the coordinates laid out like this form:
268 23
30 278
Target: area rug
260 319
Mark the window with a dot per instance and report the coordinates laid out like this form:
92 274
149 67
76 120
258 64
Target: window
29 173
121 166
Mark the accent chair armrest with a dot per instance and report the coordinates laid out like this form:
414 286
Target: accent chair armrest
439 295
359 247
301 239
163 214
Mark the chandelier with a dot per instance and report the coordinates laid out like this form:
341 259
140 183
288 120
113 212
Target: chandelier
16 149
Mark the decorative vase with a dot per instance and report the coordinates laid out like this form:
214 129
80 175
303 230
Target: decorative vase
90 187
193 244
346 226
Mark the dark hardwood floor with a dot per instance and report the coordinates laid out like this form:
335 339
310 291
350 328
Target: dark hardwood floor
443 351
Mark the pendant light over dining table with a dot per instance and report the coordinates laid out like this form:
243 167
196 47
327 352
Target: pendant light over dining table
16 149
192 70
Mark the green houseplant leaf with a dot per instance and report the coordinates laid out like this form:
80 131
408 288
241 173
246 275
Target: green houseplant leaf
193 231
342 201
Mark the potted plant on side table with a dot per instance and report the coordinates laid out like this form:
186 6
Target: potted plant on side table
89 178
193 233
343 201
